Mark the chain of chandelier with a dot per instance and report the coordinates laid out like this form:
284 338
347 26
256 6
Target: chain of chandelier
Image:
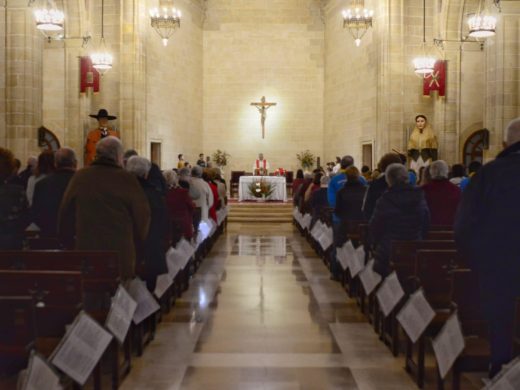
50 20
166 19
358 19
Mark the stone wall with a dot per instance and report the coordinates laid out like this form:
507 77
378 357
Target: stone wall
273 49
174 88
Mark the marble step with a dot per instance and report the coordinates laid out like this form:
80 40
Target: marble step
273 219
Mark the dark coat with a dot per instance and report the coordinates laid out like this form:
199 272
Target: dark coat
443 199
48 194
106 208
374 192
13 216
487 225
155 245
349 201
318 203
401 213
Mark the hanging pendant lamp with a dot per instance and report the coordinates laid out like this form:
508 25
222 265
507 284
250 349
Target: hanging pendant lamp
102 59
424 63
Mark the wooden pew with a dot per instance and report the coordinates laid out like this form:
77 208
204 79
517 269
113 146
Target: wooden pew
17 333
57 298
433 274
100 272
465 300
440 235
402 260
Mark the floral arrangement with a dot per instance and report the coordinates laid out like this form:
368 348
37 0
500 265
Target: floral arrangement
220 158
306 159
261 188
280 172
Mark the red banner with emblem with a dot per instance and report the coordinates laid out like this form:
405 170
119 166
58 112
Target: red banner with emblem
89 77
436 81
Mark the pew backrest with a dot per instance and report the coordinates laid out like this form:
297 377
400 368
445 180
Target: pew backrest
433 273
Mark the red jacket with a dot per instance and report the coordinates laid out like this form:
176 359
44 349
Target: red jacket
443 199
180 207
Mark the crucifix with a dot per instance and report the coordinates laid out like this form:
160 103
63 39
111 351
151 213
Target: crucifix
262 107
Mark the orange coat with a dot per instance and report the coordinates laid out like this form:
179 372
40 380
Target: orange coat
92 139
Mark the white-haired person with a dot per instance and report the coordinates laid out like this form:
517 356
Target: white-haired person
486 231
401 213
180 209
442 196
152 253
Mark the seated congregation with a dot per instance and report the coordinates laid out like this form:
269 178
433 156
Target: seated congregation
107 248
426 258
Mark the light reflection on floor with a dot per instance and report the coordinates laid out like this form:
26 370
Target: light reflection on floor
262 313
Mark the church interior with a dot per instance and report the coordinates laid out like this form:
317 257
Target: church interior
279 130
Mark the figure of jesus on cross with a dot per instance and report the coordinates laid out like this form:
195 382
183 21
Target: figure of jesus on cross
262 107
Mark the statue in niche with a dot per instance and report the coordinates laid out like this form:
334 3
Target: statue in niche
422 145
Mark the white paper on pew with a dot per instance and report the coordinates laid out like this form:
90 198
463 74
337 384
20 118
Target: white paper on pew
416 315
316 230
213 227
146 303
389 294
342 256
508 378
325 238
356 260
183 252
120 315
186 248
162 284
81 348
40 375
448 344
204 229
173 266
306 221
369 278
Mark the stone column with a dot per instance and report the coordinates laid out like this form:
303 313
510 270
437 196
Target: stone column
132 75
21 112
502 63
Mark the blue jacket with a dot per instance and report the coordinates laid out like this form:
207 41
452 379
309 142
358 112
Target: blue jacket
336 184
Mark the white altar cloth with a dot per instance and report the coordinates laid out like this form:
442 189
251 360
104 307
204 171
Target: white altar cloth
279 193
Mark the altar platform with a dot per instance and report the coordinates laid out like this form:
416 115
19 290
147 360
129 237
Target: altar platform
278 182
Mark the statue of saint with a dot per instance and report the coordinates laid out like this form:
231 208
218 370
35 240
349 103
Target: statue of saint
423 145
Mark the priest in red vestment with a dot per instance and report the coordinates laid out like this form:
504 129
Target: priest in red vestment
261 166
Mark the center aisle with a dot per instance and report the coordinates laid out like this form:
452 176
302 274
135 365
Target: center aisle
261 313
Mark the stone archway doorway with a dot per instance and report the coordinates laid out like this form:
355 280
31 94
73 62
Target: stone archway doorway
475 145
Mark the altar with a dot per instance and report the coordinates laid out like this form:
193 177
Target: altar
279 183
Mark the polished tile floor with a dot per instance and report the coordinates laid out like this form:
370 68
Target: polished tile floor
261 313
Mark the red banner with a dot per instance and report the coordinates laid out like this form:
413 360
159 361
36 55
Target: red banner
436 81
89 77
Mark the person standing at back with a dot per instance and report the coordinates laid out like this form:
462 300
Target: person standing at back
48 192
486 232
441 195
105 208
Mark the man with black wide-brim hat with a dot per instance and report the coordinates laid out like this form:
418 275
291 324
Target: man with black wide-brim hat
102 131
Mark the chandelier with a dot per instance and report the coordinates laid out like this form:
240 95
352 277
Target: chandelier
482 24
357 20
424 64
102 59
49 19
165 20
